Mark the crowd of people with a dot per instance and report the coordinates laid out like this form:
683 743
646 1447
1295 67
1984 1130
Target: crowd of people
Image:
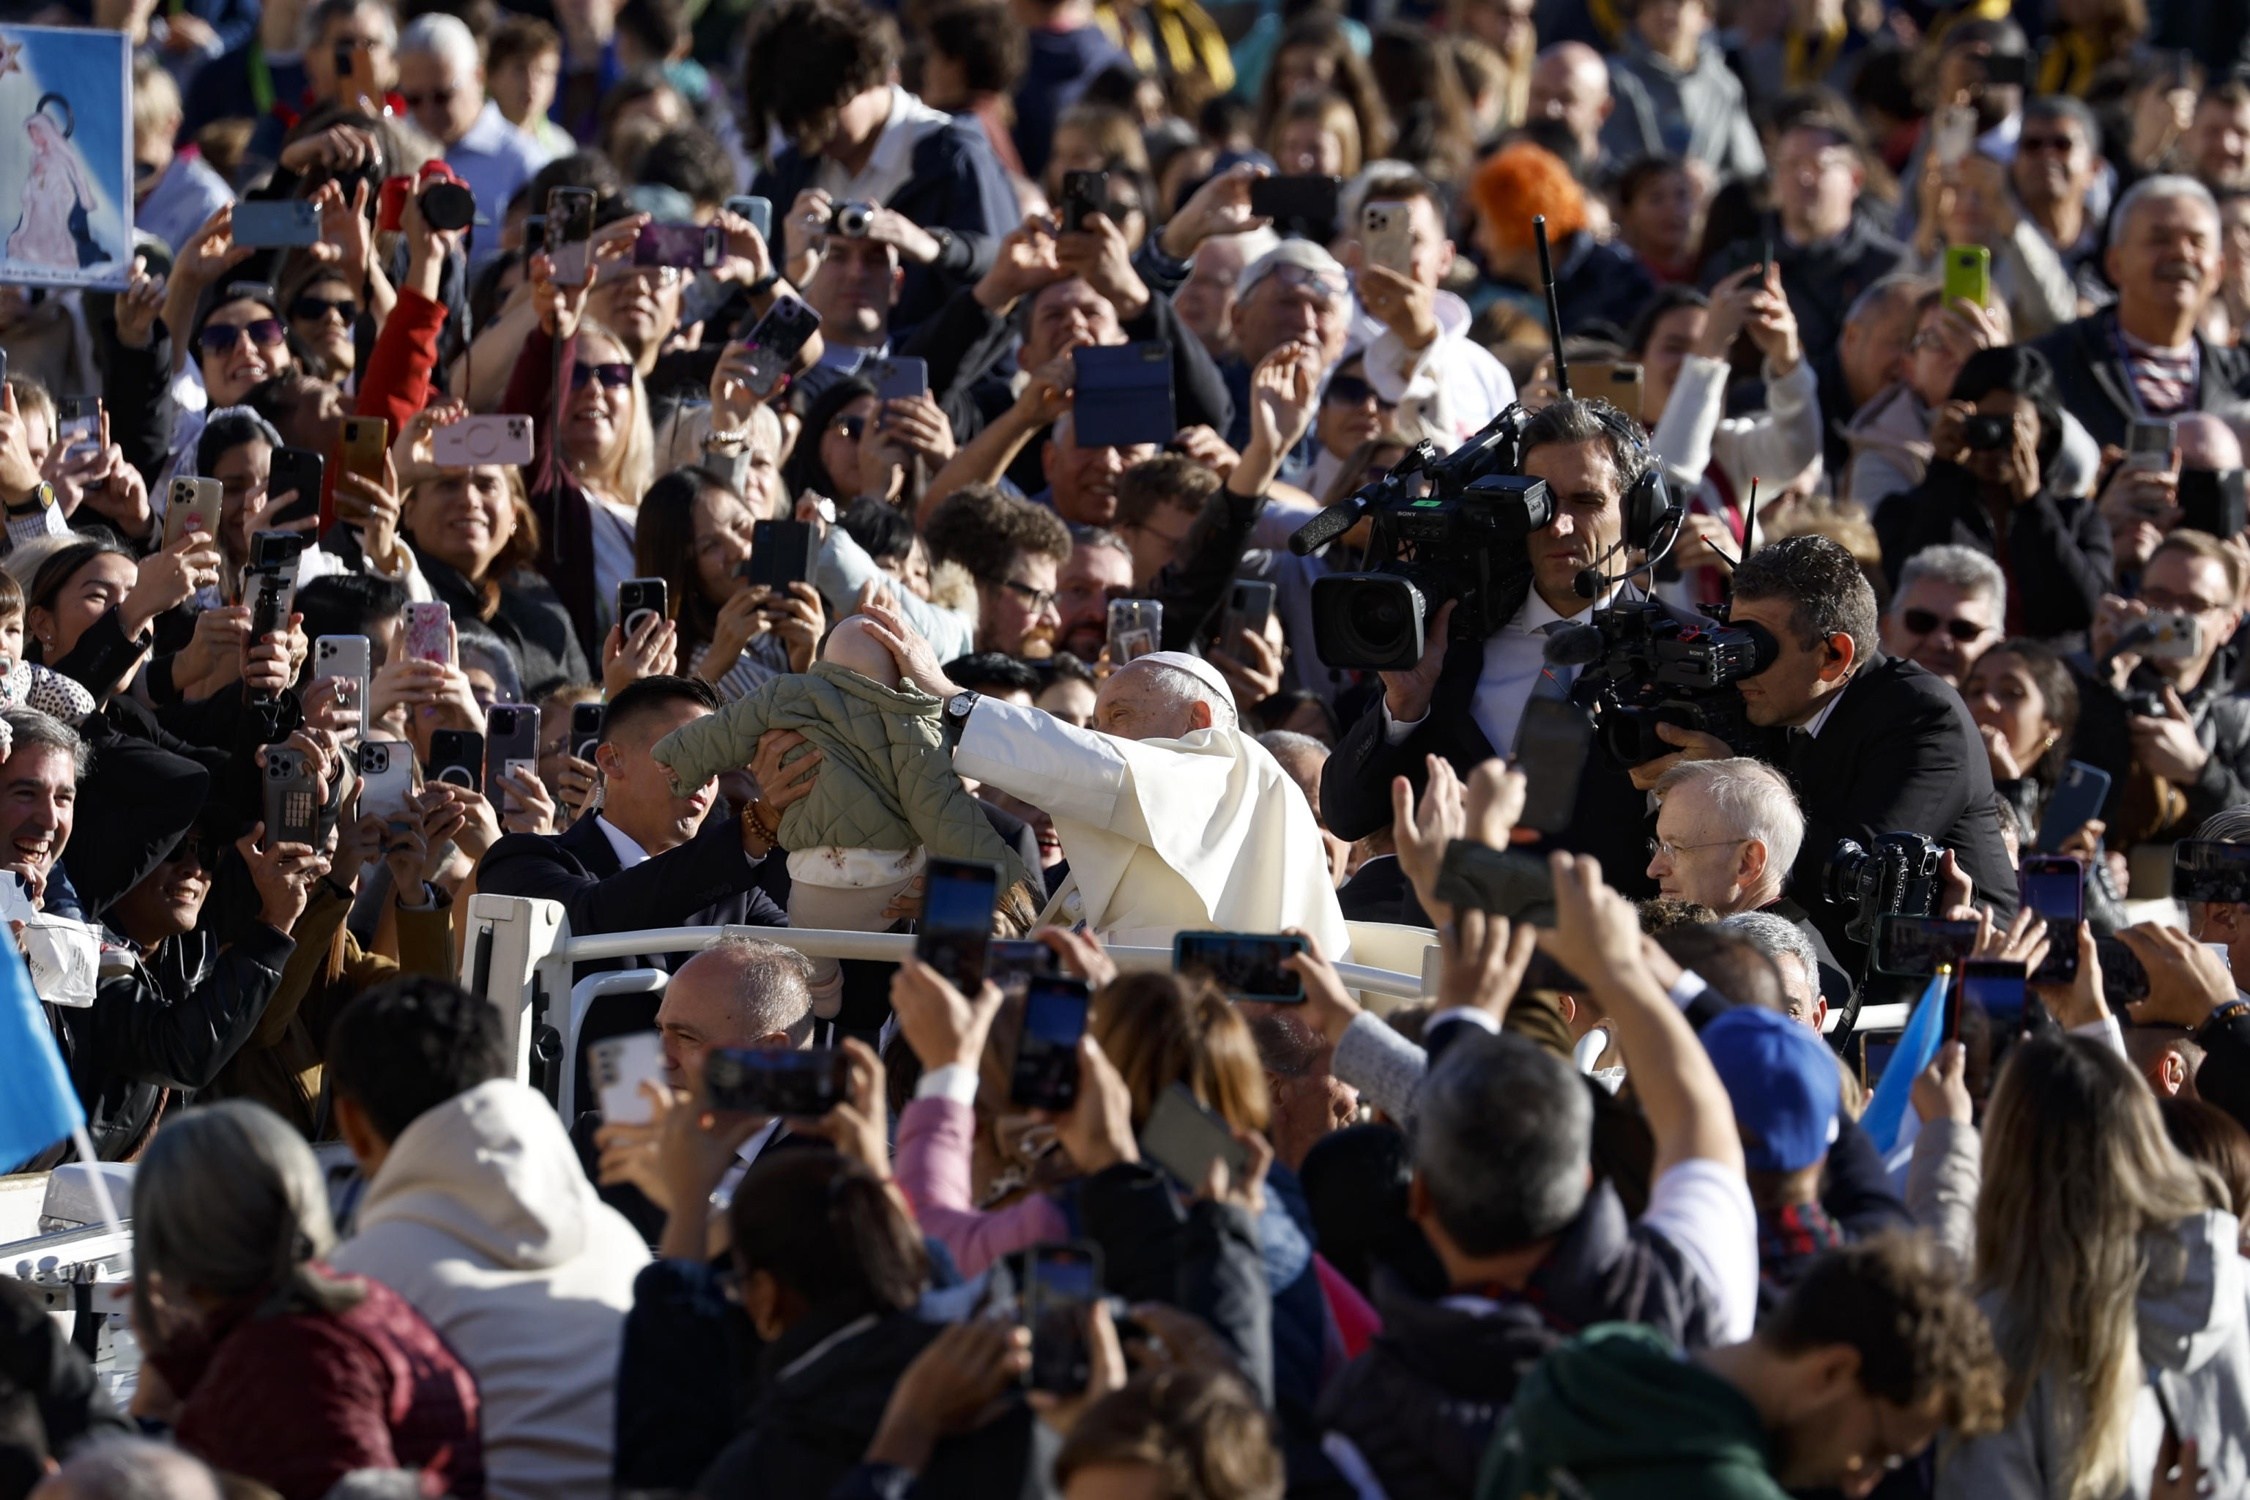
761 465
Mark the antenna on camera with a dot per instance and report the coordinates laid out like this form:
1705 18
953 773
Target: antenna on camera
1554 307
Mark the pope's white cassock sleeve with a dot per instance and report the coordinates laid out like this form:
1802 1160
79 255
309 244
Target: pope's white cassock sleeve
1196 833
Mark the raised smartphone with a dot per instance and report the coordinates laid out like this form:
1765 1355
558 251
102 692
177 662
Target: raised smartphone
958 897
1246 965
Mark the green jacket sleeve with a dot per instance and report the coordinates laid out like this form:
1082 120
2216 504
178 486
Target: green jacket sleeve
724 741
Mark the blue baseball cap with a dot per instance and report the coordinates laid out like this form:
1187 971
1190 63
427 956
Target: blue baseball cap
1786 1087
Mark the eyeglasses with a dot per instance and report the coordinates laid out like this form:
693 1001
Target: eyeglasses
220 338
851 427
1040 600
439 97
1672 851
613 376
646 278
1354 390
311 309
1923 621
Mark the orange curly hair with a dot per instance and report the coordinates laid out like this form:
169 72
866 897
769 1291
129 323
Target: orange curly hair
1521 180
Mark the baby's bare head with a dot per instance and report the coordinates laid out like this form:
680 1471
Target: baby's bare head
853 644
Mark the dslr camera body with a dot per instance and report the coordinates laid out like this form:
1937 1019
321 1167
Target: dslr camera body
1646 666
1898 877
1445 528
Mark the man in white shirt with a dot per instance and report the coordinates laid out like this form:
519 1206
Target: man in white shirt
1464 699
1419 355
652 858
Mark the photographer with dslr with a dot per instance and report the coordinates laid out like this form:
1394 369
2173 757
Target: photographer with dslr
1875 745
1464 699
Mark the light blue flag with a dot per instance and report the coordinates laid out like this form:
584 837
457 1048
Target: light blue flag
38 1107
1917 1048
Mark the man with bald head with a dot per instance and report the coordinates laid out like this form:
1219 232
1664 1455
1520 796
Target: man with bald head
1570 83
2142 505
1171 816
2144 358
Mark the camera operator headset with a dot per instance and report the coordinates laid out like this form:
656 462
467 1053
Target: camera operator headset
1465 699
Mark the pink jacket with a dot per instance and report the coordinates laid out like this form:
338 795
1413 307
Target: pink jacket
934 1138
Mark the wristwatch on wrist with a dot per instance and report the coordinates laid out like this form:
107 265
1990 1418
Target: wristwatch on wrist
956 716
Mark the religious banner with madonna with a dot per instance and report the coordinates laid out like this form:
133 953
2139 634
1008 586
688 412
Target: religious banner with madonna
66 157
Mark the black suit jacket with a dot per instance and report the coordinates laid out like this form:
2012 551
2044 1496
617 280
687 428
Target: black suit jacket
1609 820
706 882
2096 390
1898 754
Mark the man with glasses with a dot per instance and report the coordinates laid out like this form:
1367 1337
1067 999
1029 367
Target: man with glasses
1947 611
639 304
1100 569
2143 505
441 77
1827 251
2142 715
1871 744
1158 503
2057 170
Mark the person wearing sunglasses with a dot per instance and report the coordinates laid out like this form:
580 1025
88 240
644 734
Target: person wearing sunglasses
1947 610
323 313
241 341
586 510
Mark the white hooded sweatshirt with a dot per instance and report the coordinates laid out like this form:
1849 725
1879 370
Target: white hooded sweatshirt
483 1219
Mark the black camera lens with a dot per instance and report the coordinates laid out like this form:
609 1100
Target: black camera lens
1373 622
851 219
1983 434
448 205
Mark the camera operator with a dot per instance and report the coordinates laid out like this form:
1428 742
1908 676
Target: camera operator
1876 745
1464 699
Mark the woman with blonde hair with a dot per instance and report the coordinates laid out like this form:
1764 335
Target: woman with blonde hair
595 451
2118 1297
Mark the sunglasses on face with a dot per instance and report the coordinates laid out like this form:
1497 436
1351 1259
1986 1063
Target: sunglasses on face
1352 390
439 97
311 309
612 377
851 427
220 338
1922 622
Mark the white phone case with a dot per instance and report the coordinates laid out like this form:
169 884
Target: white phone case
620 1065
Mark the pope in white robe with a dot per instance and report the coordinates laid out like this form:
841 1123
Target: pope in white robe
1171 816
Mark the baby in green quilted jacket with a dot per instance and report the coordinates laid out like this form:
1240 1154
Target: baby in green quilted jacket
886 798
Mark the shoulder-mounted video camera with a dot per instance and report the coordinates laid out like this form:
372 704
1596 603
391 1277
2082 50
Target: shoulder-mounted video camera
1645 666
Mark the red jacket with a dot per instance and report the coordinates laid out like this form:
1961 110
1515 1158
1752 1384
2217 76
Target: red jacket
298 1400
